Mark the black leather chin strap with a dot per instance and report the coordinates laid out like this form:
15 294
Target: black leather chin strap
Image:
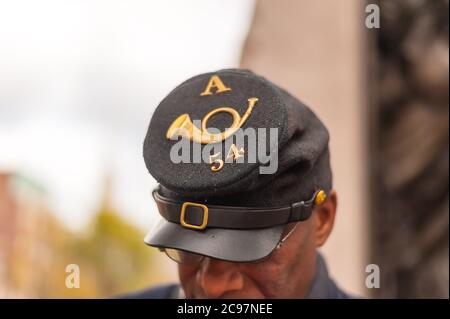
199 216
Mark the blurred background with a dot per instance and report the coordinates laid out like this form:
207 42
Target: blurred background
79 81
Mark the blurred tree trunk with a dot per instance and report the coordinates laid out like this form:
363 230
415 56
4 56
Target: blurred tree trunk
409 149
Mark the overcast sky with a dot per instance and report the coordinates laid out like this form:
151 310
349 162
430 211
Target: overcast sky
80 79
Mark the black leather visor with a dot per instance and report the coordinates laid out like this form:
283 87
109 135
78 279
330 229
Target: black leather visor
238 234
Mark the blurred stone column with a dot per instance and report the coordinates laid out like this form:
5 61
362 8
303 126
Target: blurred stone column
409 150
314 49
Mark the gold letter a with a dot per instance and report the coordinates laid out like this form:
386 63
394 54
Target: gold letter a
215 82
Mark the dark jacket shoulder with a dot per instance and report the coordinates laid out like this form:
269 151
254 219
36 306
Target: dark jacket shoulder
166 291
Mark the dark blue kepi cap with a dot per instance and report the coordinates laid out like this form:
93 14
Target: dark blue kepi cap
236 158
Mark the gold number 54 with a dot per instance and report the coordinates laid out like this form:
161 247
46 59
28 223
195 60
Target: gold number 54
217 163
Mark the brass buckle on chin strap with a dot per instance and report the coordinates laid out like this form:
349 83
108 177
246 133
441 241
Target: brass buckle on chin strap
183 216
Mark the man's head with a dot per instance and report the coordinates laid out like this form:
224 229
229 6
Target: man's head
225 207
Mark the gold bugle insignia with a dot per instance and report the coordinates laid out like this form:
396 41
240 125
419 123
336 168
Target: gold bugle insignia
183 126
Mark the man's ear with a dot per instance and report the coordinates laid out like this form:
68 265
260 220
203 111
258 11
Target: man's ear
324 218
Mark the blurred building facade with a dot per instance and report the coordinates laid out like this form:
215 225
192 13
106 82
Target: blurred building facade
315 50
26 226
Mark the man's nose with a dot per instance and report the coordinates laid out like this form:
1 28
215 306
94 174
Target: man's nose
218 277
